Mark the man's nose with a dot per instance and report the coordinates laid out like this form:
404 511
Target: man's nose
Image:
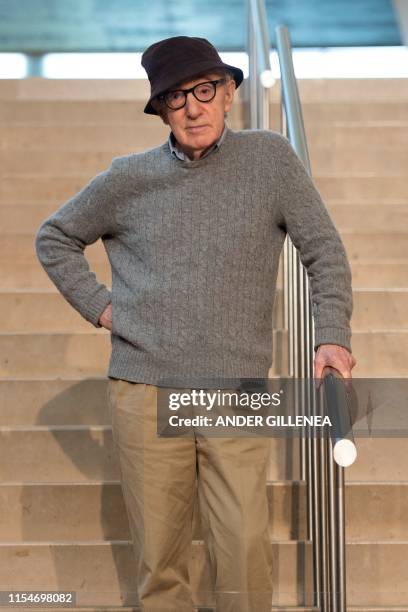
192 106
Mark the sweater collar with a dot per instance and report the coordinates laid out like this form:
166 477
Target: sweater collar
181 155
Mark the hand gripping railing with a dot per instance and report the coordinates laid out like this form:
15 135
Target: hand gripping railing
321 467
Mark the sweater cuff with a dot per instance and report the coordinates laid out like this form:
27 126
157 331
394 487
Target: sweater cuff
333 335
95 308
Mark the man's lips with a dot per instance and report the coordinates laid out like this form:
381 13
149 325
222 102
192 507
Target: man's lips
196 128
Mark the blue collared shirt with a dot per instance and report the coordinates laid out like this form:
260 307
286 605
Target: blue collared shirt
181 155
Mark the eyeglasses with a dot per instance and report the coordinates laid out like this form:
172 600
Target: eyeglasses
203 92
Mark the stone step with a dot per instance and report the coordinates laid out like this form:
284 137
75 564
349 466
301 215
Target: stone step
336 90
380 354
59 402
357 187
368 134
34 89
358 158
129 111
372 245
373 274
348 187
31 275
84 354
375 216
83 454
341 90
19 248
96 511
26 402
25 311
37 88
53 401
377 572
88 155
40 190
105 111
89 142
379 460
48 311
350 89
380 309
355 111
85 566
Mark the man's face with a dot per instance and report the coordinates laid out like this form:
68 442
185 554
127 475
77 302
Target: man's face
198 125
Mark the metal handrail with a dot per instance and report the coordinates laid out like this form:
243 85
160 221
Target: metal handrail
260 74
324 477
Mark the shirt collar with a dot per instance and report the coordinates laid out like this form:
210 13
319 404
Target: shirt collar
181 155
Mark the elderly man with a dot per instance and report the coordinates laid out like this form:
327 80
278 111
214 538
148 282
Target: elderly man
193 230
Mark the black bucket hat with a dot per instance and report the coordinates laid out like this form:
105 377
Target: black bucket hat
172 60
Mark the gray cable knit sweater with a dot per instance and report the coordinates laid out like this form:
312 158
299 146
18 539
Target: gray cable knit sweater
194 249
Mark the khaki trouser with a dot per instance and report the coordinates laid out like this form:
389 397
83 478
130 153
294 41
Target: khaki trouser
159 477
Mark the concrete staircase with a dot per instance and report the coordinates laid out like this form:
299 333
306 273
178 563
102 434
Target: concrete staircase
63 523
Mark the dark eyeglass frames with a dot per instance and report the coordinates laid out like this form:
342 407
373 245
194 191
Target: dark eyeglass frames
203 92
